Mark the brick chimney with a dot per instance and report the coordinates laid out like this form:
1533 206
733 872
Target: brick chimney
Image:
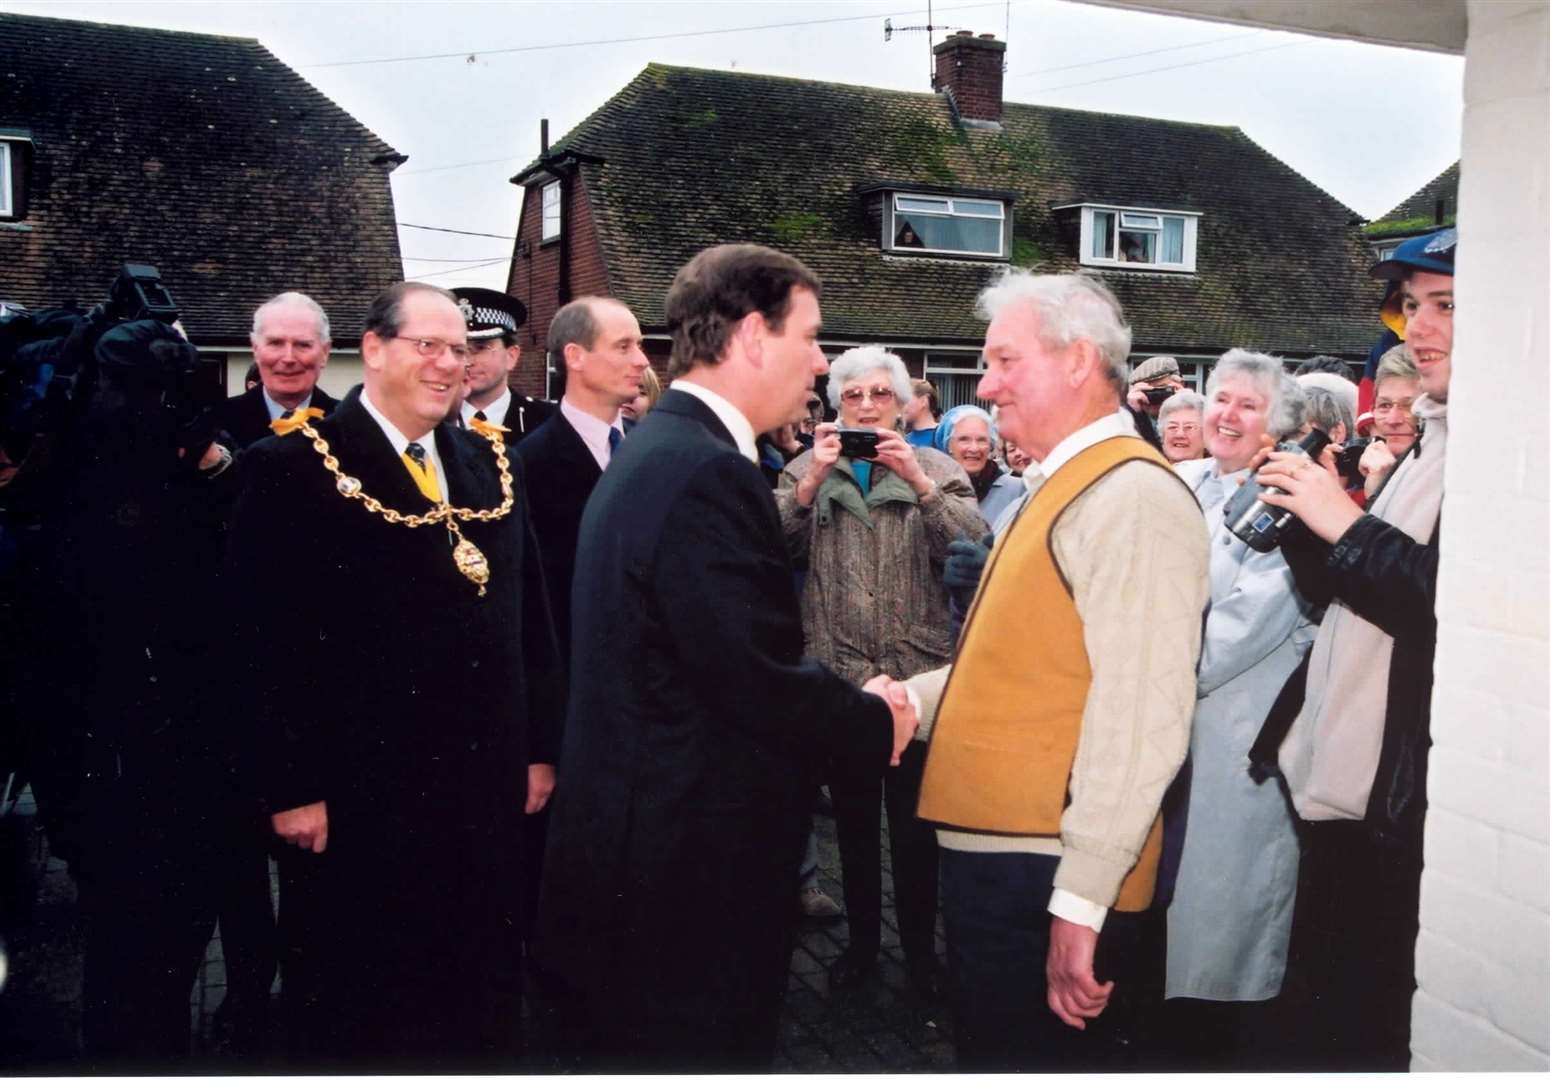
968 70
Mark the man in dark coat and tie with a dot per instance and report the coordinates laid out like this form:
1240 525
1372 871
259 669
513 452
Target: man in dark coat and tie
409 680
291 340
696 730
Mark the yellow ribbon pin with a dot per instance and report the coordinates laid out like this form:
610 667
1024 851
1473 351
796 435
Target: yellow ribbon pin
286 425
485 428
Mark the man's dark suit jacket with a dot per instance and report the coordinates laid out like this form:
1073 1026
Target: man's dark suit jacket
245 417
695 735
561 473
381 683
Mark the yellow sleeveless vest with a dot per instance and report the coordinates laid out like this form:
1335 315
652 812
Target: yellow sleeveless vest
1007 727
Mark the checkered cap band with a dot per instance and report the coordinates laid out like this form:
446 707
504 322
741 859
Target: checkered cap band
486 322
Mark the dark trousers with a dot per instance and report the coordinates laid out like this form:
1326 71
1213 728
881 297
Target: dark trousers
146 929
1351 969
858 803
995 907
247 920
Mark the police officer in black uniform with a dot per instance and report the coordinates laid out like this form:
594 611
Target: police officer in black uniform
493 320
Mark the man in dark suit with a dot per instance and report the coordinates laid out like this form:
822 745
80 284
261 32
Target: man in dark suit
290 347
409 681
493 320
696 730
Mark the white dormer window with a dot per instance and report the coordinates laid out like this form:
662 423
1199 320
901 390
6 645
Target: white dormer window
1139 238
943 225
551 212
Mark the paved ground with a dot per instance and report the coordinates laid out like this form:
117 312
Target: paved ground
881 1027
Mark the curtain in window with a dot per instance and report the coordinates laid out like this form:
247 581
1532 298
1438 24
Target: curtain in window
1103 236
1173 240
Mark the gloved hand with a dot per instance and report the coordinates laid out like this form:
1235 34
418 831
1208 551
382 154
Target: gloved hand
965 563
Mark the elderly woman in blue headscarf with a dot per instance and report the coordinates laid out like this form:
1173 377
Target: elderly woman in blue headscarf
968 435
874 531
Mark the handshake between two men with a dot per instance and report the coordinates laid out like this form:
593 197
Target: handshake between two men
904 706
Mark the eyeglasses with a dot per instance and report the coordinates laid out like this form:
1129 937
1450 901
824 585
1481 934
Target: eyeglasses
432 348
880 394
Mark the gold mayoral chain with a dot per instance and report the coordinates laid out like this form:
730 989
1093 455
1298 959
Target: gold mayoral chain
471 562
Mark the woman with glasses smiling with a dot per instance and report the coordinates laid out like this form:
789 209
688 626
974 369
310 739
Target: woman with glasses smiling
873 526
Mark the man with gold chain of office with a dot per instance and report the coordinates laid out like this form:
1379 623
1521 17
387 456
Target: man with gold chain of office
403 699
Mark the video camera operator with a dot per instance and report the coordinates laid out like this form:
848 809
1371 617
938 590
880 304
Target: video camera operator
1350 730
119 500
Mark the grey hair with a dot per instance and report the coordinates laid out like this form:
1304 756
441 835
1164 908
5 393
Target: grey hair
293 299
1184 399
853 363
1287 402
1070 308
1395 364
1326 409
1343 389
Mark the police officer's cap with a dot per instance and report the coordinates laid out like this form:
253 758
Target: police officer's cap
489 313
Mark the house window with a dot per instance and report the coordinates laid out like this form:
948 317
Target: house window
955 376
551 206
7 185
1385 250
947 226
1156 239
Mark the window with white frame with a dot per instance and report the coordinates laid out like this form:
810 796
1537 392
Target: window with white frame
550 199
7 189
955 376
947 225
1125 236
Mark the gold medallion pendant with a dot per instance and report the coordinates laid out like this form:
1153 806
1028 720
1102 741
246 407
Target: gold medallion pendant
472 563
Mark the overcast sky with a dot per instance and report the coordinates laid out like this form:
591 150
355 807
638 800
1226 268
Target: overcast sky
1366 123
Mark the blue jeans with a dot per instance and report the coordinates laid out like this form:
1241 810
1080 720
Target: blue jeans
995 908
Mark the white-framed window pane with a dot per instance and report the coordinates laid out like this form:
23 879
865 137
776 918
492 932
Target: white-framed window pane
551 211
956 376
1103 235
979 236
1172 240
930 206
1139 221
6 206
1137 247
977 208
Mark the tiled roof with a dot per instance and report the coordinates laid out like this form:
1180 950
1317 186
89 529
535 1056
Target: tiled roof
1419 212
203 155
696 157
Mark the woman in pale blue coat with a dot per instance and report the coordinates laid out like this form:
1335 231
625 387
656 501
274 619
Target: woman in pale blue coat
1231 914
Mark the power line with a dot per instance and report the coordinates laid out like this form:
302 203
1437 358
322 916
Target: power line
1134 55
457 269
468 53
460 165
1170 67
460 232
432 258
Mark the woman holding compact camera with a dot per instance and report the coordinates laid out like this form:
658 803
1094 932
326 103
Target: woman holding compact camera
872 516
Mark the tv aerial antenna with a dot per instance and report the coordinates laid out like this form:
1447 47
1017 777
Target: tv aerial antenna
889 30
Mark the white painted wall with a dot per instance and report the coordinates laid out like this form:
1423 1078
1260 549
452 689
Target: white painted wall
1483 958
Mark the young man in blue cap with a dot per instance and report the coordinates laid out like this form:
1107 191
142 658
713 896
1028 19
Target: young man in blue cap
1350 731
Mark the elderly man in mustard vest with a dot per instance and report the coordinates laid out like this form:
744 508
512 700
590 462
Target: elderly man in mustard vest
1066 712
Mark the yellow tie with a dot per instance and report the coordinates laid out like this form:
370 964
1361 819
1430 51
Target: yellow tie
423 471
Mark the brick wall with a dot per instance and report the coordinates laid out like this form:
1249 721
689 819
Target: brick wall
535 276
1483 956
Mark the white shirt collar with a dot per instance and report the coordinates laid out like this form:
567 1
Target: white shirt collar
400 440
494 412
742 431
1105 427
593 431
276 410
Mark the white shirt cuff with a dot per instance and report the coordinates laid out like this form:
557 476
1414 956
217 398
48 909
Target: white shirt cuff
1074 909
